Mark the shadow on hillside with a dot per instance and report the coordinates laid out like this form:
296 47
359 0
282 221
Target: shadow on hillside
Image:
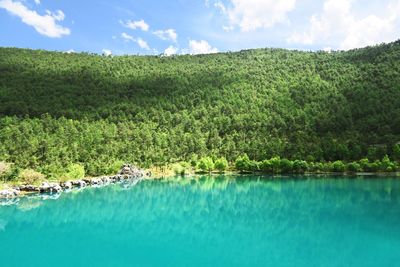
86 93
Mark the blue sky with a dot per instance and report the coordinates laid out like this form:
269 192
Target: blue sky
196 26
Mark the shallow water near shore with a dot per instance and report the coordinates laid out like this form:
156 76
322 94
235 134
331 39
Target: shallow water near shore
209 221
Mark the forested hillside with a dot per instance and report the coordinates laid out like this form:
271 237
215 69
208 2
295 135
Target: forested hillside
58 108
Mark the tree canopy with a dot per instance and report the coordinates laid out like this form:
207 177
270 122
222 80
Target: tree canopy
59 109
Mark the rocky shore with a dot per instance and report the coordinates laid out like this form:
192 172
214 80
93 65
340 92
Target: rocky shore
127 173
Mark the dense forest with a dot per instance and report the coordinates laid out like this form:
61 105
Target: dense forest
58 109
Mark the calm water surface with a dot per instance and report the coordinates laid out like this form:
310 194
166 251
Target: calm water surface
220 221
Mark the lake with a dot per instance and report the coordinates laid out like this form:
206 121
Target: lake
209 221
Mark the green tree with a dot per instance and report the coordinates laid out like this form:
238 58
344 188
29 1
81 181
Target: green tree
286 166
387 165
75 171
300 166
339 166
206 164
242 163
266 166
221 164
353 167
396 151
275 164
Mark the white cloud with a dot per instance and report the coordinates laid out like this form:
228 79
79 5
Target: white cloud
140 24
107 52
169 34
251 15
37 2
220 6
171 50
227 28
127 37
201 47
43 24
58 15
70 51
142 43
336 25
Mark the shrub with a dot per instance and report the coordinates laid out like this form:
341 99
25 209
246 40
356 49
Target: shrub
275 164
375 166
326 166
300 166
315 166
114 167
266 166
353 167
286 166
396 151
221 164
254 166
29 176
181 168
338 166
75 171
4 169
193 160
365 165
243 163
386 165
206 164
8 172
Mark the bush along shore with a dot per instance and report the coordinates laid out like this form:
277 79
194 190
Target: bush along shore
276 165
127 173
18 182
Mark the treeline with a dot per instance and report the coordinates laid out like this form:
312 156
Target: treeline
62 109
276 165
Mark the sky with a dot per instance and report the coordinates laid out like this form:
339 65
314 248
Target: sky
147 27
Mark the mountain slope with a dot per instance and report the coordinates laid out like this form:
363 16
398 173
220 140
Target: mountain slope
59 108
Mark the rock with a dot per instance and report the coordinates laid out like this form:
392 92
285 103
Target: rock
128 175
50 188
79 183
96 181
45 187
9 193
66 185
29 188
131 171
106 179
55 188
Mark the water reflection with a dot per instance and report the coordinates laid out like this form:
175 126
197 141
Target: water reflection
232 219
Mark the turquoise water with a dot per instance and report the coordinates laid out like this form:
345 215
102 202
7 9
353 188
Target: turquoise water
222 221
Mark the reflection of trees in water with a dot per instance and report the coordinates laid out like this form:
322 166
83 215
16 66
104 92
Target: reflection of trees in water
235 208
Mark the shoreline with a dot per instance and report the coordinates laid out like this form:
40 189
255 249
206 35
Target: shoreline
127 173
12 191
